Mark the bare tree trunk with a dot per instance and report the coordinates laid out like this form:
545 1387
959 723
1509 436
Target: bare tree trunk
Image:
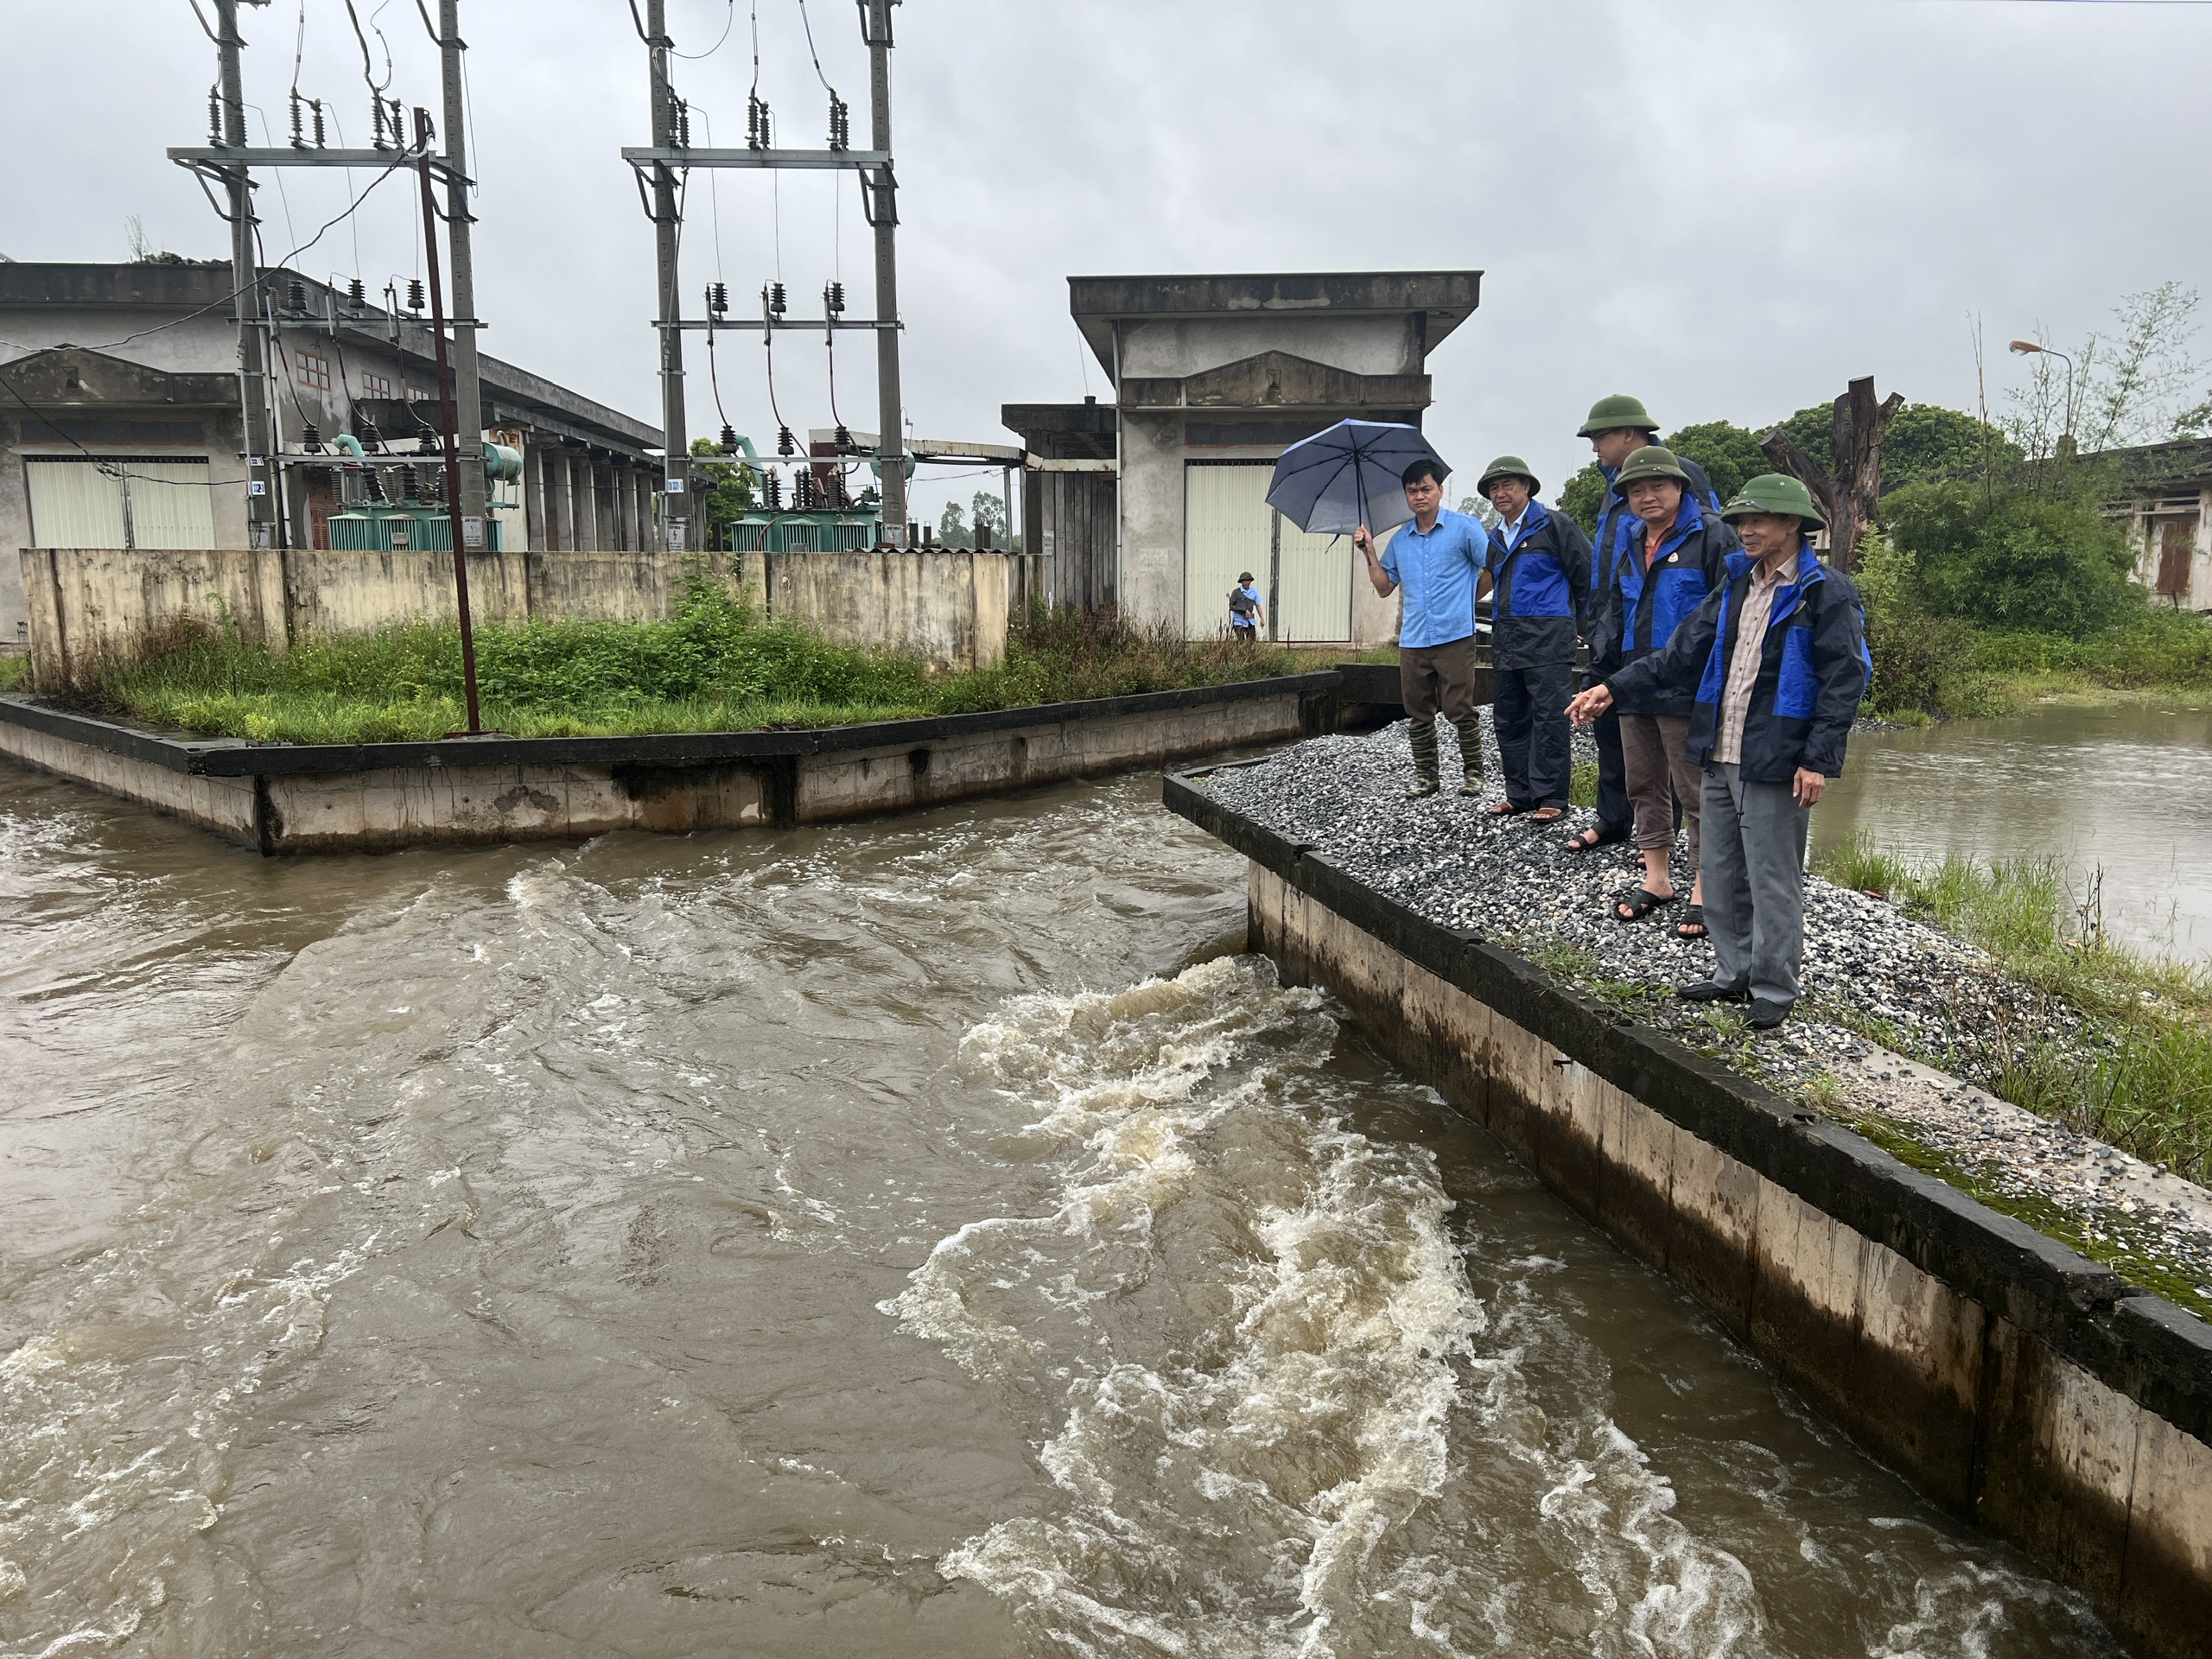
1851 500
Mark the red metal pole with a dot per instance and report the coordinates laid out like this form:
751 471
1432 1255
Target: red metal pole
445 416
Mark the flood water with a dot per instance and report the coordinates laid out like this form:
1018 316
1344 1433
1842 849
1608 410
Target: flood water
2126 789
925 1237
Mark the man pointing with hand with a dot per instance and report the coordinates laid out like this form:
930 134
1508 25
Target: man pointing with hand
1778 656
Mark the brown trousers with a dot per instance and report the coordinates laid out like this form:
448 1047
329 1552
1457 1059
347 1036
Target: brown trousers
1651 755
1439 679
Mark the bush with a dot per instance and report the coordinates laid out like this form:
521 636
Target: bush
2002 558
1924 664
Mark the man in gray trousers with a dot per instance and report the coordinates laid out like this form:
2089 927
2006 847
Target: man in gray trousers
1778 656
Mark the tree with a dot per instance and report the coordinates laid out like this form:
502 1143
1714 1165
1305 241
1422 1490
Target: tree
723 488
1849 489
989 515
1582 497
952 528
2008 558
2139 384
1730 453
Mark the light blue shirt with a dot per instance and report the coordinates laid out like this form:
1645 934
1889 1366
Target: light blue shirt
1251 591
1510 533
1437 575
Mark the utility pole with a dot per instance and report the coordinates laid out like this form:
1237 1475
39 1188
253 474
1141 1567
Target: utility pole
245 278
467 386
458 463
890 424
676 498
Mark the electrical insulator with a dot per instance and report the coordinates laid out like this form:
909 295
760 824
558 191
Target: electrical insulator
772 489
357 292
785 443
414 293
373 486
398 126
679 121
729 439
836 489
316 104
297 297
718 297
310 436
214 119
376 117
759 129
409 485
299 135
803 491
844 438
771 297
427 442
371 440
841 123
832 298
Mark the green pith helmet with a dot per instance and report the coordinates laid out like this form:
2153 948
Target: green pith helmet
1775 492
1613 413
1506 467
1650 461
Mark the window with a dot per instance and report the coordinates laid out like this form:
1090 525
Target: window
375 386
417 394
120 501
313 371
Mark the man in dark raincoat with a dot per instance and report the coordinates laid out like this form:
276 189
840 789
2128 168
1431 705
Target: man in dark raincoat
1539 573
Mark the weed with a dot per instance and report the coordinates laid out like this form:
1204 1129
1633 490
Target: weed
1582 784
14 671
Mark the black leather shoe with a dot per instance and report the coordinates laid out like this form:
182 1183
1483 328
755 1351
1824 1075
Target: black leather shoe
1765 1016
1705 991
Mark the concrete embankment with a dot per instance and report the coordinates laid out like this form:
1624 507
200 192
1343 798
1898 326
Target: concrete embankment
321 798
2015 1382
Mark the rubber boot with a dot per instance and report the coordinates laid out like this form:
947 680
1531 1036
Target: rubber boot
1470 757
1423 734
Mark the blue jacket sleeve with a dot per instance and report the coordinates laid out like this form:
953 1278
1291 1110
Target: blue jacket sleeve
1574 555
1839 669
1680 664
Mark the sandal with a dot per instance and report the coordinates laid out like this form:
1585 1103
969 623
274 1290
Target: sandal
1590 837
1691 926
1640 903
1504 809
1547 815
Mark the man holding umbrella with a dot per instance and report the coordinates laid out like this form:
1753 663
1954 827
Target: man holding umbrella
1539 569
1436 559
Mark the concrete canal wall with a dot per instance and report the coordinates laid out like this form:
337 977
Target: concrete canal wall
298 799
2017 1384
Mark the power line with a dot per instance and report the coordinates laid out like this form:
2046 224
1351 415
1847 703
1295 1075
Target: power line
729 21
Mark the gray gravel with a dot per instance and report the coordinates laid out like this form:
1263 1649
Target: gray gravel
1447 859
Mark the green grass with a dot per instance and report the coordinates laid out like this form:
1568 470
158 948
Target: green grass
15 672
713 666
2145 1082
1582 784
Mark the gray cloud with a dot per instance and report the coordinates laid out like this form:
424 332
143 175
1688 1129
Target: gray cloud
1727 207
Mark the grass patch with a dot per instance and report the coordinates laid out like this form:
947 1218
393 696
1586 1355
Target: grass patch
1582 784
714 665
14 671
2145 1080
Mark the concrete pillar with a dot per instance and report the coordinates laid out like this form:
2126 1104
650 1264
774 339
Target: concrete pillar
533 495
587 502
560 503
642 482
603 495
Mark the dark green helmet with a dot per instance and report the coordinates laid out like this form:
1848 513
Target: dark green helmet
1775 492
1507 467
1616 413
1650 461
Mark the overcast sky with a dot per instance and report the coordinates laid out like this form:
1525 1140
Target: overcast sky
1727 208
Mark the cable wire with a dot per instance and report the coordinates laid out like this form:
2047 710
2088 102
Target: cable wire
729 22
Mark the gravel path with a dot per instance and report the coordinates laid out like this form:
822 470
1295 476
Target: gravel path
1448 859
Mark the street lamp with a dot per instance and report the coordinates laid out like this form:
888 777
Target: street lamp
2029 348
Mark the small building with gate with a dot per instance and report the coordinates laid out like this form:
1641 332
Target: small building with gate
1213 378
2164 494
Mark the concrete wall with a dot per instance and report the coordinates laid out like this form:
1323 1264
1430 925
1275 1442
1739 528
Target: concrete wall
1366 345
2022 1387
379 797
85 603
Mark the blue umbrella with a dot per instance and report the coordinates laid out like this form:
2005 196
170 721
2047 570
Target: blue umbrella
1347 476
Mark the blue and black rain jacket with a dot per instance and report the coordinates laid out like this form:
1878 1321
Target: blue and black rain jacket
1540 590
1643 609
1814 671
1615 525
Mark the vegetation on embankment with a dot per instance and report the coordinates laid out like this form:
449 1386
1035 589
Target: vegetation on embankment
715 665
2143 1081
14 671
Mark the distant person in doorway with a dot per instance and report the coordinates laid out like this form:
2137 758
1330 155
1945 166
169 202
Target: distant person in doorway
1247 615
1436 559
1617 427
1778 654
1674 552
1538 571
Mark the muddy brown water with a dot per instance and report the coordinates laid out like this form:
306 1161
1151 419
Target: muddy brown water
2124 790
926 1237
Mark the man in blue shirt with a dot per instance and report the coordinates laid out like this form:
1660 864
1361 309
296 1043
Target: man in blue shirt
1247 616
1435 559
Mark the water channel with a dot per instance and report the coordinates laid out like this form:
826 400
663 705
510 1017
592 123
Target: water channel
2124 788
927 1236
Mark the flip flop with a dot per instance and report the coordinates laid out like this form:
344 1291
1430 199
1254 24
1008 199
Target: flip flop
1544 815
1588 839
1640 903
1692 917
1504 809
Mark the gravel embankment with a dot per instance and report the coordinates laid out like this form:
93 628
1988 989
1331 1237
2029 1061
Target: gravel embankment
1448 859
